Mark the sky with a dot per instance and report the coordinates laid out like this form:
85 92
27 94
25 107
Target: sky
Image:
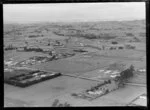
73 12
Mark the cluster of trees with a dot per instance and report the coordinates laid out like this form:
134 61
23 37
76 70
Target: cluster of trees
114 42
129 34
33 49
125 75
105 36
57 103
32 36
79 50
10 47
130 47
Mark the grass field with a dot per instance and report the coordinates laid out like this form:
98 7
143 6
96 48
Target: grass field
47 90
115 98
19 56
14 73
92 35
74 65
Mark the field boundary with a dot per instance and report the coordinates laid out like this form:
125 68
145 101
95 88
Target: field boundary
81 77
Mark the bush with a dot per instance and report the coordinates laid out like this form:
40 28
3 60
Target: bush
120 48
74 94
32 36
33 49
129 34
114 42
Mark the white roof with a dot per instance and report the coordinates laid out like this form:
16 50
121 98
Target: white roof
143 70
115 72
143 97
113 76
107 71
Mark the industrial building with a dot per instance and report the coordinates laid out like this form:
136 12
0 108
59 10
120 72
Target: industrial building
30 78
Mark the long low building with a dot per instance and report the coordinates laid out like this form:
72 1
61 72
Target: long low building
30 77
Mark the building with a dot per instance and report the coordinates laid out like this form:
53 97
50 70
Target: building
30 77
110 84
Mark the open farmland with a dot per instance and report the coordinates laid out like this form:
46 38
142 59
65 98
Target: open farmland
20 56
98 45
47 90
111 99
74 65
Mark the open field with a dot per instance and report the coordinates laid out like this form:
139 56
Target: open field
47 90
115 98
139 79
20 56
17 103
62 87
64 38
76 65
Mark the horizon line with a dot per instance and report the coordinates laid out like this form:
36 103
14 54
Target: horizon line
38 22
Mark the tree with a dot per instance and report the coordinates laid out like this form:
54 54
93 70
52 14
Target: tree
114 42
132 68
60 105
66 104
55 103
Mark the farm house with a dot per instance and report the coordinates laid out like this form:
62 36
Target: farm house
111 84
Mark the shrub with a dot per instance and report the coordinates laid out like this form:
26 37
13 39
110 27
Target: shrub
129 34
56 103
114 42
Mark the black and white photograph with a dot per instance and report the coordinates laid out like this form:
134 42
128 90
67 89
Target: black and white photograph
75 54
